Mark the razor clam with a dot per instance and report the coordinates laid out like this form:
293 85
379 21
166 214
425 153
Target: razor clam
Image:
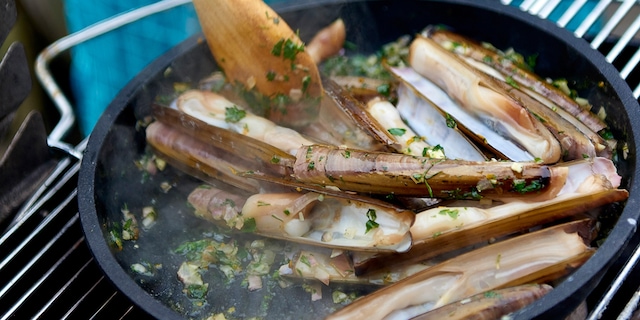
577 140
218 206
406 141
544 254
459 118
198 158
342 121
216 110
260 154
404 175
432 126
590 184
492 304
310 218
478 52
330 221
328 267
345 117
480 96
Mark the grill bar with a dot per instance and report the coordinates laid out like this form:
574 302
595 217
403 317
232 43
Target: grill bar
49 272
548 8
591 18
571 12
65 287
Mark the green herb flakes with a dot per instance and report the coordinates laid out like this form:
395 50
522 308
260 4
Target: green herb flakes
522 187
196 291
397 131
305 83
451 122
234 114
271 76
453 213
249 225
277 48
263 204
290 49
384 89
509 80
371 223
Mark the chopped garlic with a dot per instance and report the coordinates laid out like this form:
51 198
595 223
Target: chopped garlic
517 167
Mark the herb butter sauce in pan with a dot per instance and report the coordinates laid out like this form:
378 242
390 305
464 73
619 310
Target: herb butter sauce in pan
234 274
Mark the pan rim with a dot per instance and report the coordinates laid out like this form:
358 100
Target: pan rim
561 297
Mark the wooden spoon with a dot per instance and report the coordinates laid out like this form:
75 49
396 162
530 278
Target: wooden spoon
255 47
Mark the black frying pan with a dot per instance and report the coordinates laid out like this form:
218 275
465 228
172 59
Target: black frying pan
108 177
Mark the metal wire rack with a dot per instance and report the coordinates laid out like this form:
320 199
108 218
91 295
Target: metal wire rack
46 269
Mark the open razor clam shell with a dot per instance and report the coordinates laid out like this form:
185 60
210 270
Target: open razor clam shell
468 47
546 253
347 120
577 140
462 120
308 218
329 221
265 156
491 304
217 111
479 95
591 184
197 158
327 266
431 125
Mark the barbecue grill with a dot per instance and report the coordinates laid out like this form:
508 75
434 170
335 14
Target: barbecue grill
46 269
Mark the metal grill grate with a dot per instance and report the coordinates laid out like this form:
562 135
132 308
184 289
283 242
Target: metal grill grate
618 38
47 271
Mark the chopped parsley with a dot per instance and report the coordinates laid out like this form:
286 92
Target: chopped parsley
277 48
287 49
271 76
451 122
606 134
522 187
453 213
249 225
305 83
384 89
509 80
197 291
234 114
397 131
371 223
305 260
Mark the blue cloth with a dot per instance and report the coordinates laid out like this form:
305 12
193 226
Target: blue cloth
103 65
